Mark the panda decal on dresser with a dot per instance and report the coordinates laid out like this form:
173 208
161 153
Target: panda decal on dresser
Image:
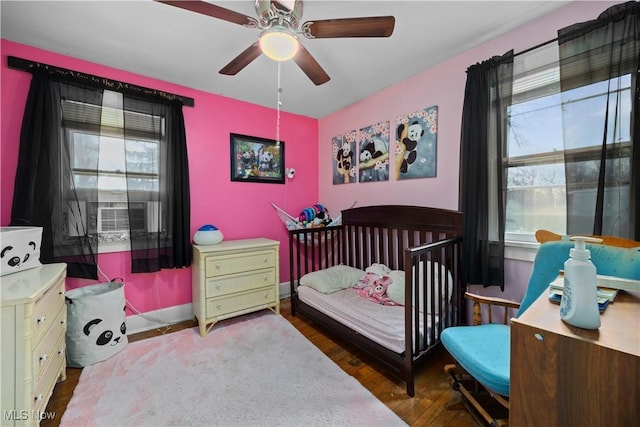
15 258
19 248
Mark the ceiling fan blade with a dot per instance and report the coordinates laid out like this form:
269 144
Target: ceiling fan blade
210 9
242 60
375 26
310 66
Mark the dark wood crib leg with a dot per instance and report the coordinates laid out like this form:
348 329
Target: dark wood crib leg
410 385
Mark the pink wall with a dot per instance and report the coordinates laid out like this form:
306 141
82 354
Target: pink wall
240 210
442 85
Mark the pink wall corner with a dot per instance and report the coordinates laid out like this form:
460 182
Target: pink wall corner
442 85
240 210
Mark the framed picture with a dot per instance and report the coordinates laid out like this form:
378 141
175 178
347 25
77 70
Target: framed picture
256 159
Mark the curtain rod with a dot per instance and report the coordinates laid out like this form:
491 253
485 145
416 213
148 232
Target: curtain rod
535 47
29 66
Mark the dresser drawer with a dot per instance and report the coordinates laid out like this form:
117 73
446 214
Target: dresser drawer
47 350
45 310
45 384
221 306
237 263
216 287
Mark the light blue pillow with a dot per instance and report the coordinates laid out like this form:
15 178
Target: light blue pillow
332 279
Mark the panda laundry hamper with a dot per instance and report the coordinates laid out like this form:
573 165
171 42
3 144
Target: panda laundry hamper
96 328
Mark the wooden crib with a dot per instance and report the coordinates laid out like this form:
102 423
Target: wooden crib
420 241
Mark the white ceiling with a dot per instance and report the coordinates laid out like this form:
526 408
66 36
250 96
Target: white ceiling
178 46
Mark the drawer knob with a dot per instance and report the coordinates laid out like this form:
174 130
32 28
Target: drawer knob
218 286
61 352
39 398
266 260
218 266
219 305
266 295
43 358
266 278
42 319
63 322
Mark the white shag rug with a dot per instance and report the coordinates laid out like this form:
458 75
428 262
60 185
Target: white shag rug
256 370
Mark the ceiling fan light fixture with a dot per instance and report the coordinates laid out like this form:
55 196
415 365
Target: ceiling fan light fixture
278 43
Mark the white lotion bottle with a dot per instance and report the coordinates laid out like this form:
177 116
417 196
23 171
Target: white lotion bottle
579 304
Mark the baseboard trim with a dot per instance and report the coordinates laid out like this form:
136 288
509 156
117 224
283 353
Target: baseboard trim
175 314
285 290
159 318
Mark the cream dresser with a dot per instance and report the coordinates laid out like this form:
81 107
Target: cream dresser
234 277
34 317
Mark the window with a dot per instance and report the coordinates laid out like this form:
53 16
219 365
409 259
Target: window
123 160
553 135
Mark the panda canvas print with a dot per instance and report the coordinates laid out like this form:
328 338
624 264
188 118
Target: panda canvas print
344 158
373 143
416 144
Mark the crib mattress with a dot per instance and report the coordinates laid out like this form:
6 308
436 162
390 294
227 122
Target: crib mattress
383 324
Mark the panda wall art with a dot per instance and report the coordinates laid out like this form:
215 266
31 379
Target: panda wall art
373 143
416 144
344 158
256 159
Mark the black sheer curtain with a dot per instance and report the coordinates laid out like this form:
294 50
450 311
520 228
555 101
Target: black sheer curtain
45 194
482 148
603 193
165 242
56 184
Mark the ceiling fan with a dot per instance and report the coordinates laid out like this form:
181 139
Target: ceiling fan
279 22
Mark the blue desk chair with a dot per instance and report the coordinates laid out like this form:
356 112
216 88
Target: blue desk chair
481 351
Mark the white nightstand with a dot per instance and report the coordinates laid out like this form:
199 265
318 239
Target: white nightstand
234 277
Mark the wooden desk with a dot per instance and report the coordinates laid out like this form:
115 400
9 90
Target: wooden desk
566 376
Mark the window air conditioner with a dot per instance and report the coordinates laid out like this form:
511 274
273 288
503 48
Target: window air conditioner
143 216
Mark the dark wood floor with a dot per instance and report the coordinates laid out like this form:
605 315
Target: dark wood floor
427 408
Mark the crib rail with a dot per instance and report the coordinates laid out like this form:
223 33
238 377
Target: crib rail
312 249
432 282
